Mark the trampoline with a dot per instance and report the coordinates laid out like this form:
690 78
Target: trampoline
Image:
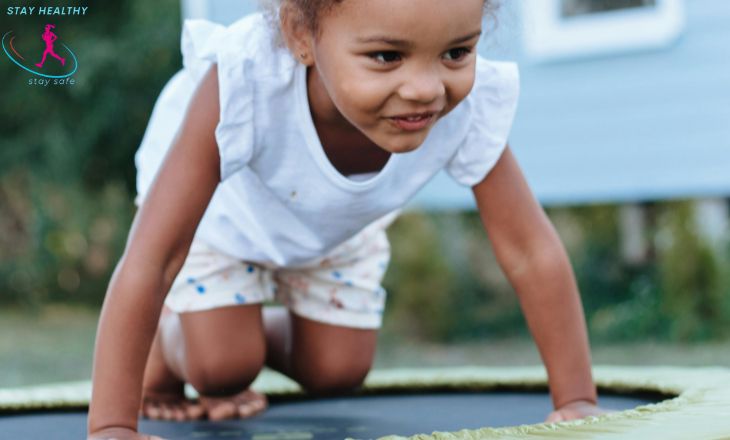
462 403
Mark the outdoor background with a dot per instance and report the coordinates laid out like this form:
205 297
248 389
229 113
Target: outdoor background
67 185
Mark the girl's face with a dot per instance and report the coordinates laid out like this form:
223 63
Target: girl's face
391 68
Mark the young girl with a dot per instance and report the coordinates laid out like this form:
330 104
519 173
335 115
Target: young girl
285 165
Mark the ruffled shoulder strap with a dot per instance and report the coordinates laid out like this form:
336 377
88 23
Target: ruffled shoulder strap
491 108
201 40
234 50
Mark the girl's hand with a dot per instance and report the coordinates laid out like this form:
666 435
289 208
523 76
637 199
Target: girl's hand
575 410
120 434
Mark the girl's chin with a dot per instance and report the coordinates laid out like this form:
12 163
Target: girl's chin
403 143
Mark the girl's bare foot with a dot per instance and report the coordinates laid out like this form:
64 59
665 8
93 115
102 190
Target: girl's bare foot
163 394
246 404
158 406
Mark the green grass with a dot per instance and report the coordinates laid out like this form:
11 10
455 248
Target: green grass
523 352
56 345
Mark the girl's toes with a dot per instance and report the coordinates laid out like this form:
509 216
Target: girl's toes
222 410
250 403
179 414
243 405
194 411
167 413
245 410
173 412
151 411
249 410
261 404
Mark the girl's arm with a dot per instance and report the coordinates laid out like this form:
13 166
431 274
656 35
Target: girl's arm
533 259
157 246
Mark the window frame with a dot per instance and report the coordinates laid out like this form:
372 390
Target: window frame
548 36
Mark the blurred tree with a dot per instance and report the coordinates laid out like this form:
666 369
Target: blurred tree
694 287
66 155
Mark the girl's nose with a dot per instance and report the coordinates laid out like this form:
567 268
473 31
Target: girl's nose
422 86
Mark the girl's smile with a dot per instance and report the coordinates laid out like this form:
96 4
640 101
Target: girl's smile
414 122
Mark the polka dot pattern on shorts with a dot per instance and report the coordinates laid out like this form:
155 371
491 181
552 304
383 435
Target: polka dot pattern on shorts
341 288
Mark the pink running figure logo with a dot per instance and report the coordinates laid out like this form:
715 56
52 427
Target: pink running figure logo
49 37
57 74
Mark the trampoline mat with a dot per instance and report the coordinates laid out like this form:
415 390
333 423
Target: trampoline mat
361 417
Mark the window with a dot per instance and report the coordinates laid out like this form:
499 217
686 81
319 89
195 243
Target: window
573 8
559 29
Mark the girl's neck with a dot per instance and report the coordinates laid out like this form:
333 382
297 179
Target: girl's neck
321 106
346 147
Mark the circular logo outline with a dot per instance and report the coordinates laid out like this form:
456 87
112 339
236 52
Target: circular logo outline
76 62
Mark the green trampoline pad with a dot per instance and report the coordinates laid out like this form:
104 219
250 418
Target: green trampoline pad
468 403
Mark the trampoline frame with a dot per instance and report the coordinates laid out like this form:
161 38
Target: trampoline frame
699 411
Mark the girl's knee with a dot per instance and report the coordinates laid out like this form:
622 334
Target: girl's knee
326 376
223 373
329 359
224 349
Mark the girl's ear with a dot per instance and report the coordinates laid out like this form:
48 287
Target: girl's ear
296 34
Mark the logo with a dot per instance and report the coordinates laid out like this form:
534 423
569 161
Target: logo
54 63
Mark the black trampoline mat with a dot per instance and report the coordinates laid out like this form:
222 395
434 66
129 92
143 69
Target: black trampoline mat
361 417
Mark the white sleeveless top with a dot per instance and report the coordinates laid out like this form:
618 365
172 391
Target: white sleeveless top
280 200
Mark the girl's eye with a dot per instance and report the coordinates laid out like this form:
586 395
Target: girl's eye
385 57
458 53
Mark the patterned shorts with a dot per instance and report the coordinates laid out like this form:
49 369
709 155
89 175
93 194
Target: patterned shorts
342 288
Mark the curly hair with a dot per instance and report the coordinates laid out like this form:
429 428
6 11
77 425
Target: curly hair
310 11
